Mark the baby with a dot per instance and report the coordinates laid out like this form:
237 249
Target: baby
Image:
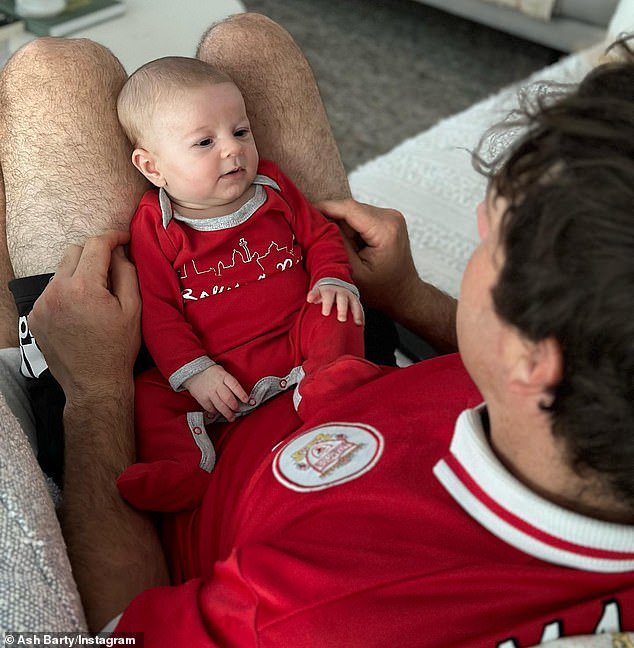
246 287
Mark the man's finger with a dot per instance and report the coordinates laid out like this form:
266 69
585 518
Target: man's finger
68 264
377 226
97 254
123 280
349 234
358 215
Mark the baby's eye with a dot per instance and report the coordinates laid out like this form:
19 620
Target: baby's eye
205 142
242 132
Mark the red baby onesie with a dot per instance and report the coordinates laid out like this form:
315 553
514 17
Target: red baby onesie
229 290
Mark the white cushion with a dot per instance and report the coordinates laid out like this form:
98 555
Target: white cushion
622 20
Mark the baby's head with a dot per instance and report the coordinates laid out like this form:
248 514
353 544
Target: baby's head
191 135
158 85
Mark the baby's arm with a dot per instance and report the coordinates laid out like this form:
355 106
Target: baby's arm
325 256
216 390
331 294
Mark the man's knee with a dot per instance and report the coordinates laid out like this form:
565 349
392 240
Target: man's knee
48 59
234 32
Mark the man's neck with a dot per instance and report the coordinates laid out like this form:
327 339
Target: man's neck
528 449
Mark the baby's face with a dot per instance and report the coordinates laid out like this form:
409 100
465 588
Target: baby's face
205 151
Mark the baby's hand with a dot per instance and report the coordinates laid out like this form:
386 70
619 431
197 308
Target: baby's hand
217 391
327 295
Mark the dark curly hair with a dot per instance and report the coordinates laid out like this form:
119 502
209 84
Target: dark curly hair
568 271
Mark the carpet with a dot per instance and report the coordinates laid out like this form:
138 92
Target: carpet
390 69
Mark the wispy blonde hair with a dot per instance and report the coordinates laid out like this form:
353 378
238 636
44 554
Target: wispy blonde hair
158 81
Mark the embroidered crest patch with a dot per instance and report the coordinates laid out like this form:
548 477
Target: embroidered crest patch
328 455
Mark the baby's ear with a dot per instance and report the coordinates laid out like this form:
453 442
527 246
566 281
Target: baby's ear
144 161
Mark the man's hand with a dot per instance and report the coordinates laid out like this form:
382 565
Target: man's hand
217 391
87 320
379 250
87 323
384 271
328 295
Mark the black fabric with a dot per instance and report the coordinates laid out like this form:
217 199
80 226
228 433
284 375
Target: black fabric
26 290
413 347
47 400
381 338
46 395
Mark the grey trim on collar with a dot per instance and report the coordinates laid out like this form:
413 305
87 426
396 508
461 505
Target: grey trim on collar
166 207
265 180
221 222
230 220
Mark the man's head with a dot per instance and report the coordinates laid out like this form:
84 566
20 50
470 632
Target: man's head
191 135
563 197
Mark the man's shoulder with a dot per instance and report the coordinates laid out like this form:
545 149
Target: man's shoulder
443 379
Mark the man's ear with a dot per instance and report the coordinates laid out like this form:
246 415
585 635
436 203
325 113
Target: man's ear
538 366
145 162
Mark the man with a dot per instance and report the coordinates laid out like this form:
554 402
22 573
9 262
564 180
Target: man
377 523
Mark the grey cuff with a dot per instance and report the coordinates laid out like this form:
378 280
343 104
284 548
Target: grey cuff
192 368
333 281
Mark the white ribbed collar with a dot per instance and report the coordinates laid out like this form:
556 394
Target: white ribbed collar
478 481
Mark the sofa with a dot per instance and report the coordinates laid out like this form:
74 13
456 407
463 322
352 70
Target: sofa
573 25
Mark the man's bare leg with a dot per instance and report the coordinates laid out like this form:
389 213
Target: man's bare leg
67 176
283 102
8 312
64 158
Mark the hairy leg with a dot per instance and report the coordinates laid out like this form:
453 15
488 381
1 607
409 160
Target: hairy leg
68 175
8 312
65 161
283 102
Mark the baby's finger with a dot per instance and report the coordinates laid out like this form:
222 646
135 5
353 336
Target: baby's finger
357 311
210 409
227 397
327 300
236 388
314 296
222 407
342 306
